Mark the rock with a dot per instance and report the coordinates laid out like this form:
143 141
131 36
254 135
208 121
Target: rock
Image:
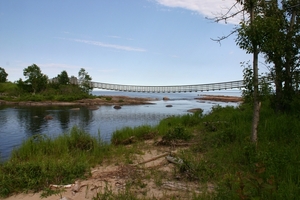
169 106
166 98
48 117
76 186
117 107
200 110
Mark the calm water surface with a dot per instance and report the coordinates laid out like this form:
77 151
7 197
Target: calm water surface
19 123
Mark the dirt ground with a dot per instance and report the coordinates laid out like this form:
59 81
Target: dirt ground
150 176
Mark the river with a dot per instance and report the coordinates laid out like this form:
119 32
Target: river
19 123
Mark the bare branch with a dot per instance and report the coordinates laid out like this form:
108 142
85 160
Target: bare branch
219 39
227 15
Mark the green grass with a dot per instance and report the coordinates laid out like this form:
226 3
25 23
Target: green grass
225 156
41 161
221 153
129 135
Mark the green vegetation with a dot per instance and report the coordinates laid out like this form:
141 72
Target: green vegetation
221 153
42 160
37 86
3 75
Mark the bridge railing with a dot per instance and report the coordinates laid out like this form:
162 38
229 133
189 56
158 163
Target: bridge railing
172 88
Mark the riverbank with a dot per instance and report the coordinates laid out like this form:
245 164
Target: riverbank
149 175
183 157
221 98
115 100
104 100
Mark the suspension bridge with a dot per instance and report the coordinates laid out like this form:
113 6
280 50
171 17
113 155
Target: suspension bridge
170 89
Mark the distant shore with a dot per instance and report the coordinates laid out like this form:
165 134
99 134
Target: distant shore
105 100
114 100
221 98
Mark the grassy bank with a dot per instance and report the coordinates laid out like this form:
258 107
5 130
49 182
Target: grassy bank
219 153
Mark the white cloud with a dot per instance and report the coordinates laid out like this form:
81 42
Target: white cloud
114 46
208 8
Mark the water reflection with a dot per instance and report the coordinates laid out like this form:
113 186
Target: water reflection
20 123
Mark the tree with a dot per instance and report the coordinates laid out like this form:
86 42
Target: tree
84 80
3 75
249 38
63 78
35 78
281 48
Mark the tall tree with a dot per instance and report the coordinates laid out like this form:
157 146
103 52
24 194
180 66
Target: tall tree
249 38
3 75
35 78
63 78
249 32
84 80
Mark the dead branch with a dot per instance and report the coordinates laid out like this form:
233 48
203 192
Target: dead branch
227 15
224 37
152 159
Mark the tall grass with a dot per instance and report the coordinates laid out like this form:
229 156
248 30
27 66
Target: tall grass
41 161
224 155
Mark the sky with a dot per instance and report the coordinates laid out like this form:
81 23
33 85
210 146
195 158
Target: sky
130 42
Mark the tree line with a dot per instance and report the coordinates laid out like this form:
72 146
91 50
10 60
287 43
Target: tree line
38 83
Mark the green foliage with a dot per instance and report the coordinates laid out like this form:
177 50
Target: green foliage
264 89
3 75
84 81
63 78
8 88
129 135
273 30
226 156
177 133
35 78
20 91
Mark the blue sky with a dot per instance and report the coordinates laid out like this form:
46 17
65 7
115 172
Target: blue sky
137 42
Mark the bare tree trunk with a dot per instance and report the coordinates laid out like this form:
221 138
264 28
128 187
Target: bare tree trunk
256 103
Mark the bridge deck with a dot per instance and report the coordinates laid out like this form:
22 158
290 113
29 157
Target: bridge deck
167 89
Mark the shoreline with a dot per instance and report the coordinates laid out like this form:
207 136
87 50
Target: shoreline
221 98
106 100
115 100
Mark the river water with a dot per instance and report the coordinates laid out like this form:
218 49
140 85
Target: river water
19 123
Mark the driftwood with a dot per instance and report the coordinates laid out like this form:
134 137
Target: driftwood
152 159
61 186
